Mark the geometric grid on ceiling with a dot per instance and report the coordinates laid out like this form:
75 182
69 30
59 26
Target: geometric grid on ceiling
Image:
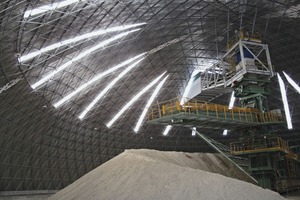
43 147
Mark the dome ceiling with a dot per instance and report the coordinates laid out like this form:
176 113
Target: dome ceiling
82 47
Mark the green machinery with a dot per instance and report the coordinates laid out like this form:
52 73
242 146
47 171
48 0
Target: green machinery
247 69
271 161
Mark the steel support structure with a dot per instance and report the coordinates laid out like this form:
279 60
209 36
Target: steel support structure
228 69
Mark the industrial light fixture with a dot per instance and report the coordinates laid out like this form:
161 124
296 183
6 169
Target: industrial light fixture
107 88
194 131
50 7
285 102
134 99
81 55
225 132
76 39
292 82
96 78
154 94
167 130
232 100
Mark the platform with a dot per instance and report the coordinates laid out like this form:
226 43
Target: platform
262 145
195 113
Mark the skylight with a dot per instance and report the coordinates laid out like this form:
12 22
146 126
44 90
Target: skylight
292 82
194 131
50 7
76 39
134 99
154 94
285 102
96 78
232 100
81 55
107 88
167 130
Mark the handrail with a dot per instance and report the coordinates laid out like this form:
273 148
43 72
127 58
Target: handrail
244 35
259 144
198 107
209 142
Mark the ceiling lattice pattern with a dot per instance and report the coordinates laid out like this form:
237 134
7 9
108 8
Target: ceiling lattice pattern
43 147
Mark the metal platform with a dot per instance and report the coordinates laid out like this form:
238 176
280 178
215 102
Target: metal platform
261 145
203 114
228 70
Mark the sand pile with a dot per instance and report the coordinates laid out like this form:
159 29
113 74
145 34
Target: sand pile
149 174
210 162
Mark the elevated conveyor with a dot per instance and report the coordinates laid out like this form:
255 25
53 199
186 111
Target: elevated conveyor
239 162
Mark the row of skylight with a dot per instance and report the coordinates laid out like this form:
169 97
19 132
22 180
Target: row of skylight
51 7
130 63
99 32
81 55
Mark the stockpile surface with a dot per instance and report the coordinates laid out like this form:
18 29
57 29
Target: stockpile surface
149 174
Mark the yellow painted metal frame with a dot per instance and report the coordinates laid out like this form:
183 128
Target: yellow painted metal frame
244 35
245 115
259 145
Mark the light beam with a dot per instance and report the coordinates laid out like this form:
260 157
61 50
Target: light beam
31 55
167 130
134 99
292 82
81 55
96 78
46 8
232 100
154 94
194 131
285 102
107 88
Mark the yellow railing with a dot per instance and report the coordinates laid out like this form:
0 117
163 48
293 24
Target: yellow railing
244 35
239 114
259 144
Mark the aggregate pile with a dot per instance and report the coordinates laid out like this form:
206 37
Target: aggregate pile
149 174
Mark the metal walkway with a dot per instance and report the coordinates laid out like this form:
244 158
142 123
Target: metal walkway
203 114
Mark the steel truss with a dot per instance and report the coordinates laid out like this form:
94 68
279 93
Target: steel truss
228 70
